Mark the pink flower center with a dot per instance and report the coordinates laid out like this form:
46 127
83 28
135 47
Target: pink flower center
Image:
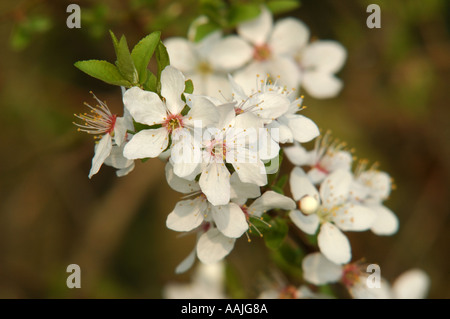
351 275
261 52
173 122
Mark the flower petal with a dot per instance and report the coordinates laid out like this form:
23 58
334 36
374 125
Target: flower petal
412 284
102 151
147 143
213 246
286 69
246 78
116 158
289 36
202 113
187 263
172 86
230 53
321 85
333 244
335 189
303 129
243 190
298 155
301 185
182 53
230 220
319 271
270 200
324 56
257 30
145 107
187 214
215 183
252 172
386 222
307 223
354 218
180 184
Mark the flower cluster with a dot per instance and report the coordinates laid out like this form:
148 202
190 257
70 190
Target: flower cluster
221 142
261 47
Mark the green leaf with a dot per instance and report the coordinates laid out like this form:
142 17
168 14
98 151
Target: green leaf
241 12
189 86
150 82
282 6
142 53
104 71
124 61
204 29
277 233
162 59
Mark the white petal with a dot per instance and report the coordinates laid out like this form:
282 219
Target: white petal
147 143
268 105
180 184
125 171
186 263
316 175
319 271
268 147
338 160
257 30
216 85
172 86
289 36
284 132
379 184
203 113
286 69
187 214
321 85
215 183
303 128
386 222
181 53
335 189
298 155
246 78
102 151
333 244
230 220
301 185
205 46
252 172
230 53
213 246
145 107
412 284
354 218
270 200
120 130
116 158
325 56
243 190
307 223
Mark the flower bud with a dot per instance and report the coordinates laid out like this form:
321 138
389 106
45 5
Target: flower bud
308 205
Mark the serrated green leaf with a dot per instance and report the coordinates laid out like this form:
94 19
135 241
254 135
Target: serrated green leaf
150 82
162 60
103 70
282 6
124 62
188 86
241 12
142 53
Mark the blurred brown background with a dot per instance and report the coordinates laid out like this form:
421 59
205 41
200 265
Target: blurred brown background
393 109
